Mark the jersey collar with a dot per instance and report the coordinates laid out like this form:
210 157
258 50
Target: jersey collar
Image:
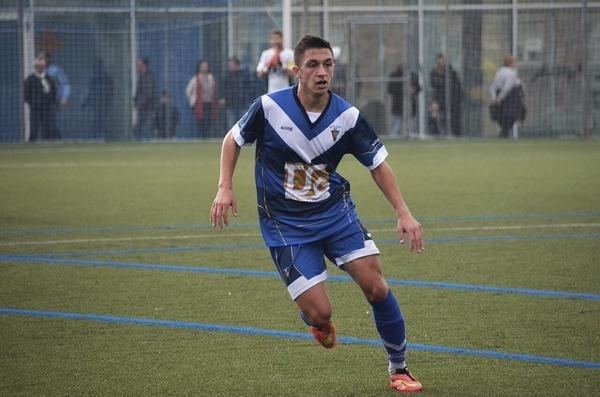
303 110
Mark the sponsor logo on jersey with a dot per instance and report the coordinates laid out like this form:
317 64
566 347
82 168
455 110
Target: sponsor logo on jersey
286 128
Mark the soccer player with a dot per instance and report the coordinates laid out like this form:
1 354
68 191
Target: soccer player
304 205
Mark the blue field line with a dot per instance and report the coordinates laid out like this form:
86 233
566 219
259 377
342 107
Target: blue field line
497 355
272 274
204 226
250 246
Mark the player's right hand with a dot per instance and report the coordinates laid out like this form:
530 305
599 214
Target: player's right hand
220 208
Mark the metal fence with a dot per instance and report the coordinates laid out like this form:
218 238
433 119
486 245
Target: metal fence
98 44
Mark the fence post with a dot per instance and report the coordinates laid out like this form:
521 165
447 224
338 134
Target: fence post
133 61
421 55
21 54
586 125
515 43
27 54
286 21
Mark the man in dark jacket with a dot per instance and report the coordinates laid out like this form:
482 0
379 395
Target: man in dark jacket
438 93
239 90
39 92
396 90
144 99
167 117
99 100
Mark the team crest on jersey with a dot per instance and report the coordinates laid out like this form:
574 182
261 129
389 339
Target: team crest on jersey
335 132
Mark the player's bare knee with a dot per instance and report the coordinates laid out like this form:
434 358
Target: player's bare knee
376 292
319 315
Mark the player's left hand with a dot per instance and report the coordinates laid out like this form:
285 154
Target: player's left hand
220 207
409 226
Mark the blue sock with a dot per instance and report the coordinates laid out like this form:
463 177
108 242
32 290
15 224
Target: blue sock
390 325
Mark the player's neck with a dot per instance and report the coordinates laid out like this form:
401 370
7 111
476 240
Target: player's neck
312 102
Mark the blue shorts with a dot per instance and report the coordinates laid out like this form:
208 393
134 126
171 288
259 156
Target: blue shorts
302 266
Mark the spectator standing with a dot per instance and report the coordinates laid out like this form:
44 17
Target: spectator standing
438 92
507 96
396 90
201 92
276 63
63 90
167 117
145 99
39 92
237 90
99 100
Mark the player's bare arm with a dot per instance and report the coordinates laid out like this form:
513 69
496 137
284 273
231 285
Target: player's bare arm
225 198
385 179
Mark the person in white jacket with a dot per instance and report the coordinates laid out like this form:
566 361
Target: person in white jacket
507 96
201 93
276 63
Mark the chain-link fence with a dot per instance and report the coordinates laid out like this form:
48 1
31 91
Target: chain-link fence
130 69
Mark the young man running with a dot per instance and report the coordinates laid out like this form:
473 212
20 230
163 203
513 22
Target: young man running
304 205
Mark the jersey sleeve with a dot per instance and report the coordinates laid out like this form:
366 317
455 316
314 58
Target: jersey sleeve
250 125
262 62
366 145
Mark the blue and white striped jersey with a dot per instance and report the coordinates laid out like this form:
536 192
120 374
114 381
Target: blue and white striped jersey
301 198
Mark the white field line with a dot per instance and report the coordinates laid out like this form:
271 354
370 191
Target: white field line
95 164
216 234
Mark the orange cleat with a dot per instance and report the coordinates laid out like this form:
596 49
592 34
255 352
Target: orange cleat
404 382
325 335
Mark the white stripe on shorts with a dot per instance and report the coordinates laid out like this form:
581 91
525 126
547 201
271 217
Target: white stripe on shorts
302 284
369 249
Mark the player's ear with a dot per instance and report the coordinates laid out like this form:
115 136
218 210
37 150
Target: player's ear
296 70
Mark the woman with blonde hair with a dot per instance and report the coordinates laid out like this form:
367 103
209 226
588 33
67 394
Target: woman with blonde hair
507 96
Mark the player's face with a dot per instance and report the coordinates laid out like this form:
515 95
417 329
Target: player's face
315 73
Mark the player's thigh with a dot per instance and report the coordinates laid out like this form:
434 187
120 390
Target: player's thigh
301 267
355 252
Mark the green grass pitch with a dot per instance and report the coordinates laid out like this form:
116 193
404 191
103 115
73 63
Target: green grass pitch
91 228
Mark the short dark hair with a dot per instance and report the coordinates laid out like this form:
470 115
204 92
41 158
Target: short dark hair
200 62
308 42
145 61
277 33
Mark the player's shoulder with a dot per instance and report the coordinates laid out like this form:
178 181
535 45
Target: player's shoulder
341 106
339 101
279 98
